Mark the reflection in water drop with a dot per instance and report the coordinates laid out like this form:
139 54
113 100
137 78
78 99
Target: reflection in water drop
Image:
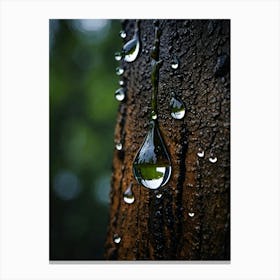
117 239
118 146
118 56
152 176
152 166
121 82
200 153
128 195
191 214
177 107
122 34
120 94
175 63
119 71
213 159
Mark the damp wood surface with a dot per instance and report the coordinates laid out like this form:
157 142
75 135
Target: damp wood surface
191 219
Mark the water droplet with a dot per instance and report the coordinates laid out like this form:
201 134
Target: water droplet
200 153
118 56
152 166
117 239
119 71
191 214
159 195
213 159
153 115
175 63
118 146
121 82
122 34
132 48
177 107
120 94
128 195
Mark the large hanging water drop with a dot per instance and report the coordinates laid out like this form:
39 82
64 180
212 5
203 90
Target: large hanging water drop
132 48
177 107
128 195
152 166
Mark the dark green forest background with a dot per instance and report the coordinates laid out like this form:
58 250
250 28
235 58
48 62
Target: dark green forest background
82 119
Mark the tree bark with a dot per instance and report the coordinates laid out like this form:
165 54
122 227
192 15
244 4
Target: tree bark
191 220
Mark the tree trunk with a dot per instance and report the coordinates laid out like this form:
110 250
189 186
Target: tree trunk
189 217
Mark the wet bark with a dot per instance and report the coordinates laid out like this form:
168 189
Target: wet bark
191 220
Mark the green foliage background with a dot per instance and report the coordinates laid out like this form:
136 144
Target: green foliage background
82 119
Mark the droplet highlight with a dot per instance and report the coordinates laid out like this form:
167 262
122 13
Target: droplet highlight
128 195
119 71
116 238
120 94
213 159
122 34
152 166
121 82
177 107
191 214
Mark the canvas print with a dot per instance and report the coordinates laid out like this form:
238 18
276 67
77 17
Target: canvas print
140 140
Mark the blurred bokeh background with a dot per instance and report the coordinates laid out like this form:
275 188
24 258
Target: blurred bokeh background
82 118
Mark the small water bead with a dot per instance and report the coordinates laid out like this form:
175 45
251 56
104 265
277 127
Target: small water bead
122 34
152 165
175 63
119 71
159 195
213 159
121 82
153 115
191 214
118 56
200 153
177 107
117 239
119 146
128 195
120 94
